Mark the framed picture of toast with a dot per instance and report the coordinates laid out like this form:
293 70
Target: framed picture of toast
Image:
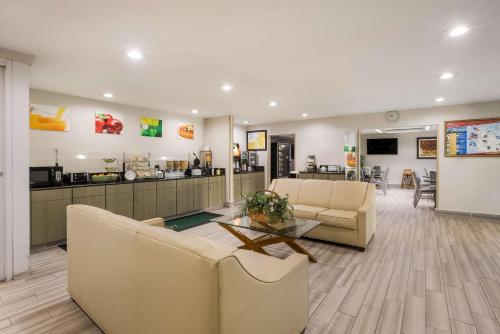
426 148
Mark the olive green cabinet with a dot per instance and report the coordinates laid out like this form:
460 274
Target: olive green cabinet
336 177
200 193
144 200
258 182
305 176
93 196
237 188
223 188
166 198
245 185
48 215
215 191
318 176
120 199
185 198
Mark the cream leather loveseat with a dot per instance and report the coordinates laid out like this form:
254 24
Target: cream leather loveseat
346 209
130 277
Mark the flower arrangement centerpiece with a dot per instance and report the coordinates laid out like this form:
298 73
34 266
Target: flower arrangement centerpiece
265 206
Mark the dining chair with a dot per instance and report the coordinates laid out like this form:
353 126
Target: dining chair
422 191
381 182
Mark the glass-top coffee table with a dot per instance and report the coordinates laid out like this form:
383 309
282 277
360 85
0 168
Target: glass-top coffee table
286 232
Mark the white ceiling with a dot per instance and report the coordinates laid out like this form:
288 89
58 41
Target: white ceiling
325 57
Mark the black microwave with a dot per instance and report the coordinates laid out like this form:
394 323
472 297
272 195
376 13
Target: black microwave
46 176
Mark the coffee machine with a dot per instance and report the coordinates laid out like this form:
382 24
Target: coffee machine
206 159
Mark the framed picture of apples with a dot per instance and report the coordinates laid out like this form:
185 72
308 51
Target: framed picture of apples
109 123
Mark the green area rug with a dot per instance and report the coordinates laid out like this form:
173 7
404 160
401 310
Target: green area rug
187 222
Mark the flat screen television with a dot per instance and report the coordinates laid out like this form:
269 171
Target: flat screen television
382 146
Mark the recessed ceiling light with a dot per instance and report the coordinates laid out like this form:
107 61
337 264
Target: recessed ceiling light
446 76
273 103
108 95
245 122
227 88
163 158
439 99
458 31
81 156
134 54
194 111
305 114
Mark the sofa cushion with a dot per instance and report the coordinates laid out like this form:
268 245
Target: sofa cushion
315 193
339 219
288 187
348 195
306 211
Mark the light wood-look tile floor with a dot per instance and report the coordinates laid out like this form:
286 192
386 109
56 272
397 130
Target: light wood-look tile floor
422 273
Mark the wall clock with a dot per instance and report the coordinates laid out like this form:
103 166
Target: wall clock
392 116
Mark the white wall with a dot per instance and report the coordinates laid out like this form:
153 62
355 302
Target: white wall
406 157
83 139
465 184
219 136
240 136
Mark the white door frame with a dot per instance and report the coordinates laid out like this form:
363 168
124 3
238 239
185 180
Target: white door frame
15 131
3 240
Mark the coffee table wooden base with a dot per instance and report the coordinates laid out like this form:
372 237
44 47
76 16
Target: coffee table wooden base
266 240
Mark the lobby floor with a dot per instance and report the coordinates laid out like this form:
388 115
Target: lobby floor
422 273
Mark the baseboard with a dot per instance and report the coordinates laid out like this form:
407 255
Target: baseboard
471 214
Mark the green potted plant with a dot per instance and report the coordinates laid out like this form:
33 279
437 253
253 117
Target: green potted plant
267 207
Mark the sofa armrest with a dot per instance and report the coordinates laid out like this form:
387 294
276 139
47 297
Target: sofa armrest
367 216
263 294
160 222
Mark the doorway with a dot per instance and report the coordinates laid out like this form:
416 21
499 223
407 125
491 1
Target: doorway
2 168
399 158
282 155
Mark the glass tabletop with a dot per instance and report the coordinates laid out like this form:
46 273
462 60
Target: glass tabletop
292 228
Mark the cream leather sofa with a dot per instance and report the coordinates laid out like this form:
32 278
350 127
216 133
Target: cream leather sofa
346 209
131 277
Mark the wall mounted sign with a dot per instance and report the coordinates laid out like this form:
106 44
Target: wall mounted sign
257 140
151 127
109 123
49 118
185 131
472 138
426 148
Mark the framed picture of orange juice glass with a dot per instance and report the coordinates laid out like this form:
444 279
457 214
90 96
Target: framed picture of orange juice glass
49 118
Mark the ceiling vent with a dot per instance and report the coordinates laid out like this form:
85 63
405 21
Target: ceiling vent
404 129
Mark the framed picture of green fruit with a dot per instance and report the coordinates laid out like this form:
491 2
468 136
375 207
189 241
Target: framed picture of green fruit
151 127
108 123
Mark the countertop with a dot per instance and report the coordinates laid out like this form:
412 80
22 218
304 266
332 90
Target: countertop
318 172
247 172
93 184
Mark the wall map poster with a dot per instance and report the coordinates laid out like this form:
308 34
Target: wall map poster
480 137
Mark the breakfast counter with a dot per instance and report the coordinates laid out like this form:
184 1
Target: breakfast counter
139 199
317 175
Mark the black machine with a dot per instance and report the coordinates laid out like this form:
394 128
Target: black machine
46 176
76 178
